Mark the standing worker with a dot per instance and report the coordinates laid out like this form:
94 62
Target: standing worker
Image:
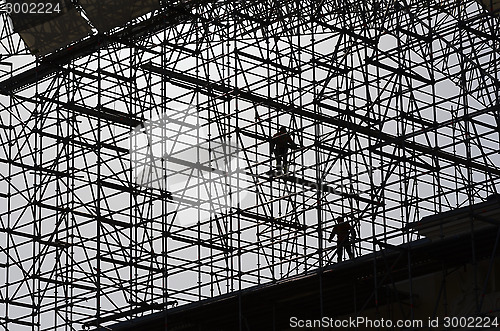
280 142
342 229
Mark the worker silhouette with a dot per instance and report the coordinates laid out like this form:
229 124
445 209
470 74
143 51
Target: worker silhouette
280 143
342 230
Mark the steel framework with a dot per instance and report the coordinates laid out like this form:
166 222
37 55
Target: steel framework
395 105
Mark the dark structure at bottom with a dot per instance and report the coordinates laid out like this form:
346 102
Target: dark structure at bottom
451 276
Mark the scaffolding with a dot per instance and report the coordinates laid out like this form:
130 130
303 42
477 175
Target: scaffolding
136 171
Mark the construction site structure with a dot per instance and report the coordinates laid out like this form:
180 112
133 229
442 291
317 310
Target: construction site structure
135 150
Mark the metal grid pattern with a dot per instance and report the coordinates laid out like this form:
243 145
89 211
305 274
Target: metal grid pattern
394 105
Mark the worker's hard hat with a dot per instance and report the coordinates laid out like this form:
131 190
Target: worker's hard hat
283 129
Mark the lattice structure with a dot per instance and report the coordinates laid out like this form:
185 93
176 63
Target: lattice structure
135 165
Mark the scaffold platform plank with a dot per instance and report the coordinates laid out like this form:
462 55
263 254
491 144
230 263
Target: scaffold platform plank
271 220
